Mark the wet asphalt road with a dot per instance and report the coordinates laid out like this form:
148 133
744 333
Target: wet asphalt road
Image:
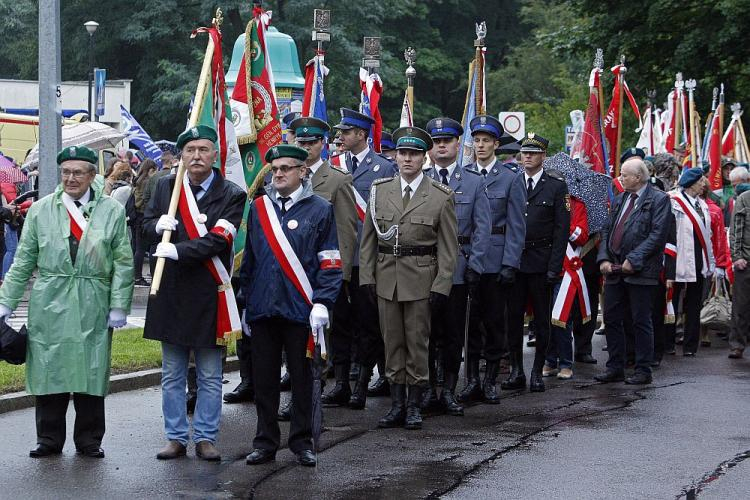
685 436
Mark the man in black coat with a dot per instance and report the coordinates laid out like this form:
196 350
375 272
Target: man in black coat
631 258
187 314
547 226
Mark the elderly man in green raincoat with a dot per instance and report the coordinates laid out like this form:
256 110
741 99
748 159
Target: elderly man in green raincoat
76 239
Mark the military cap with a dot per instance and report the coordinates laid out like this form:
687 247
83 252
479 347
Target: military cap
632 152
386 142
288 118
412 138
351 119
444 127
307 128
286 151
487 124
77 153
195 133
534 143
690 177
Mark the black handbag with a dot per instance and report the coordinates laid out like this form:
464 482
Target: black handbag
13 344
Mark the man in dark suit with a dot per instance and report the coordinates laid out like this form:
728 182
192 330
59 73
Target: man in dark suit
631 259
547 226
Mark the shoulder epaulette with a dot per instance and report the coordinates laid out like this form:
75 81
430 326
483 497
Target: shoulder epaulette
382 180
555 174
472 171
339 168
384 157
441 186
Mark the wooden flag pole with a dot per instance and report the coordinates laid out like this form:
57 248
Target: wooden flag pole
678 86
692 137
410 55
200 94
599 64
479 103
620 87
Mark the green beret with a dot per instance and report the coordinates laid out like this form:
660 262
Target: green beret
285 151
77 153
194 133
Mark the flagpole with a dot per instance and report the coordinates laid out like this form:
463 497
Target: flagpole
200 94
479 102
620 85
678 86
410 55
692 139
599 64
650 99
720 110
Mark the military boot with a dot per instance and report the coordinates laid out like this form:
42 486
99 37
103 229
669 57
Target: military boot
359 396
380 387
429 402
536 383
341 392
517 378
448 396
413 413
397 414
490 379
473 390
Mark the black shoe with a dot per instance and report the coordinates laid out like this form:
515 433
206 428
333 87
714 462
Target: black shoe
679 340
604 348
688 354
536 382
489 391
307 458
42 450
260 456
397 414
358 398
430 402
91 452
354 372
379 388
285 413
448 396
472 393
586 358
341 392
192 399
413 414
609 376
655 363
671 351
517 378
141 282
599 331
639 378
285 384
532 340
242 393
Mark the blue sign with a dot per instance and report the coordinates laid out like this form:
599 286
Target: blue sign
100 78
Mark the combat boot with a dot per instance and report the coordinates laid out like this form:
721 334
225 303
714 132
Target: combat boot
536 383
473 390
359 396
517 378
413 414
490 379
448 396
429 402
397 414
341 392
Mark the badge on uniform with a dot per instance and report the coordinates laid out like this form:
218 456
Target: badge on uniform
292 224
201 219
376 168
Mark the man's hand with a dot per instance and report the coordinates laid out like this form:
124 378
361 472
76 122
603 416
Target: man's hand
471 278
166 250
5 311
720 273
507 275
553 278
740 264
117 318
318 318
670 284
627 267
605 267
166 223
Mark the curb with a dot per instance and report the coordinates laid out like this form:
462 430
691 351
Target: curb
117 383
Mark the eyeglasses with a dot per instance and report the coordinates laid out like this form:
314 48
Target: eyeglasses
76 174
285 169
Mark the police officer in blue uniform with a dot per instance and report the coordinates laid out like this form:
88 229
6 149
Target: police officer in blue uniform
278 314
507 201
473 216
289 136
365 166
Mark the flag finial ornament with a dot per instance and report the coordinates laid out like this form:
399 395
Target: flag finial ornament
599 59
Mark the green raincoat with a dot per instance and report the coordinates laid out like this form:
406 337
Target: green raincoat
69 343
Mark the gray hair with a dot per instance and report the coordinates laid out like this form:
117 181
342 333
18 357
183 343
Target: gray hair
739 174
640 168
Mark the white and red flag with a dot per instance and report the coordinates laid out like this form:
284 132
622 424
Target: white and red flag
613 120
593 150
372 89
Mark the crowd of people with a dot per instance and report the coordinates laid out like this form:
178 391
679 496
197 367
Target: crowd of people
403 260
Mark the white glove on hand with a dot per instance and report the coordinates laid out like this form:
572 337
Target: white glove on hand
166 223
166 250
720 273
117 318
5 311
318 319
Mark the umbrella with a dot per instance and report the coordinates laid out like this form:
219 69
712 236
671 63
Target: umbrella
95 135
588 186
9 173
12 344
317 407
5 162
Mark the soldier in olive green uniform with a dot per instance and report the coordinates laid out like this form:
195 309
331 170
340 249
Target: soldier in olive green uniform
407 257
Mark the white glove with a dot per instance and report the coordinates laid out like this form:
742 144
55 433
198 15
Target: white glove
117 318
5 311
720 273
166 250
166 223
318 318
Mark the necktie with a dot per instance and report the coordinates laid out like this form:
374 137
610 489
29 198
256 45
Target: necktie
444 176
699 210
355 163
195 189
483 172
79 205
284 200
407 195
616 240
529 186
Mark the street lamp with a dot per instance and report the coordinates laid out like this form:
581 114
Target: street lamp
91 28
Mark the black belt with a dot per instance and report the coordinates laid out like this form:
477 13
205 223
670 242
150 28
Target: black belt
407 251
498 229
464 240
540 243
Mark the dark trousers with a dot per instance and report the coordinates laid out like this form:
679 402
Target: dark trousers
691 307
269 337
663 332
584 332
448 330
365 317
341 330
533 287
50 420
245 356
638 300
488 308
139 247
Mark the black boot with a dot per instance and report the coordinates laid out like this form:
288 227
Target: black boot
285 413
448 396
358 399
429 402
473 390
242 393
397 414
517 378
413 414
341 392
490 379
354 372
536 384
192 390
380 387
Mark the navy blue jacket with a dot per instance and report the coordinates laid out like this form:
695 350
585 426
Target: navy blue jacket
268 292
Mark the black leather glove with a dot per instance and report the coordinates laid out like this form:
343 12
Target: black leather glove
553 278
507 275
471 278
437 301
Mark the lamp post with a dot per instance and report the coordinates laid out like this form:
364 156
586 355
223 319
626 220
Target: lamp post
91 28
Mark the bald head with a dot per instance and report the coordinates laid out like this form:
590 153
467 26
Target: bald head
633 174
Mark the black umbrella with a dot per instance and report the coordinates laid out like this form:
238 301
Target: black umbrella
13 344
317 407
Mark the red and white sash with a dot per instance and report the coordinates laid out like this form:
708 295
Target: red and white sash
669 316
78 222
699 227
573 285
361 205
228 324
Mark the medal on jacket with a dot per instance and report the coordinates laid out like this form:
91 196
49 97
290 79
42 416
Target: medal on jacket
292 224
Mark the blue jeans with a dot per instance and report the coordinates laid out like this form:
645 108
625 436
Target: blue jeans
173 398
560 349
11 243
